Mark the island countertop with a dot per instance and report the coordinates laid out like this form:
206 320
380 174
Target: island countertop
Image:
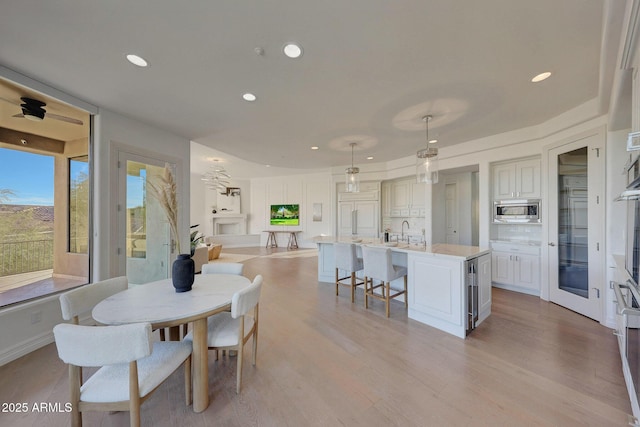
438 249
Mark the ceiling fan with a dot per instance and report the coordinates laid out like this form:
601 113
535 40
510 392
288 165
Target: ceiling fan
33 109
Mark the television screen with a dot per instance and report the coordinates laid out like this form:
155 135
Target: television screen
285 214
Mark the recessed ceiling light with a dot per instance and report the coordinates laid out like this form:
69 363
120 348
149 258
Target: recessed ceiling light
315 148
540 77
249 97
433 141
370 158
292 50
137 60
267 166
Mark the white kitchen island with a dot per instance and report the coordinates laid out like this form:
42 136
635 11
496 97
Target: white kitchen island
441 290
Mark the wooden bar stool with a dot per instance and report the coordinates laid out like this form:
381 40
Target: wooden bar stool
378 266
347 260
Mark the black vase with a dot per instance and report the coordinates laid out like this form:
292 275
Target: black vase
183 273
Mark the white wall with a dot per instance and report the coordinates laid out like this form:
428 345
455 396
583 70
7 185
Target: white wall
302 189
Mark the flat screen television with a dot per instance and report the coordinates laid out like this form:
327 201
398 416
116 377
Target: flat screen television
285 214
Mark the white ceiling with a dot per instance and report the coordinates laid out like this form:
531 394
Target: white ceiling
370 69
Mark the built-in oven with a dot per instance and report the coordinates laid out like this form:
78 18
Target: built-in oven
628 332
520 211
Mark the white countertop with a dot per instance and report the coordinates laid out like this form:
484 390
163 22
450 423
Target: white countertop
438 249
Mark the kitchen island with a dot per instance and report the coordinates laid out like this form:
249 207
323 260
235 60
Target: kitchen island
449 286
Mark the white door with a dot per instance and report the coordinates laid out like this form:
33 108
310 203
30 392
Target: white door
144 235
575 235
451 213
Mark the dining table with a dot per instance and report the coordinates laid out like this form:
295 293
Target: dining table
158 303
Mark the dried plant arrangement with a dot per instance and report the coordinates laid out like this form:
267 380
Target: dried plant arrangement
164 189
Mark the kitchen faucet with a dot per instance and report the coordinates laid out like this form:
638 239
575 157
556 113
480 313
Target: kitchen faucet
402 230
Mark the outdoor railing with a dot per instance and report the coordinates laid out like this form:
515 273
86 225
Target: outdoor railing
24 257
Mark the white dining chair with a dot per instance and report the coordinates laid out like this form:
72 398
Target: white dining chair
346 259
231 330
131 366
379 266
82 300
223 268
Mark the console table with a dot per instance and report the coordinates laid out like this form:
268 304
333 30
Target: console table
273 242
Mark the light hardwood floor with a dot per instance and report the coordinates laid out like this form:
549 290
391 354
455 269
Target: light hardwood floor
323 361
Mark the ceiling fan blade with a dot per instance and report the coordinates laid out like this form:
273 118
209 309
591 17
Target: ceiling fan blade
64 119
18 115
9 101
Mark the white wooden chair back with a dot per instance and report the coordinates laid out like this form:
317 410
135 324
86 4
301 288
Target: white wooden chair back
81 300
245 300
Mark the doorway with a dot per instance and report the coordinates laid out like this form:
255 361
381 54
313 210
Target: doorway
575 214
451 213
145 240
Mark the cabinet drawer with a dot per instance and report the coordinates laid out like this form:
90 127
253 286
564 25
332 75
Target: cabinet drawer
515 248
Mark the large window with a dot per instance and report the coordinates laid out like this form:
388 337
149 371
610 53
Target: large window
42 194
79 205
26 216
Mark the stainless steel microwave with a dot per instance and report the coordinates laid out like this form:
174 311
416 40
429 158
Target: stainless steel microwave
519 211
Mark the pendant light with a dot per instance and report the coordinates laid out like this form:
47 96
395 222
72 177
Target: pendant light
427 160
352 179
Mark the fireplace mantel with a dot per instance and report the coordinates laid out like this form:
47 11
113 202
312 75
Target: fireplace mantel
229 223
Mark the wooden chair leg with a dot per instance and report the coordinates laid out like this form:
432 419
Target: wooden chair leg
134 395
366 292
353 286
188 386
337 286
74 392
386 298
254 350
406 293
162 337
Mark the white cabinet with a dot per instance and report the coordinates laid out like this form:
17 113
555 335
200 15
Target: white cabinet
386 200
516 267
517 180
438 293
359 218
484 287
403 198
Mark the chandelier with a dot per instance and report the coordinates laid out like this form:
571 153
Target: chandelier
427 160
352 179
217 178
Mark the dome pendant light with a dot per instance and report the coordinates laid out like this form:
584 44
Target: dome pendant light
427 161
352 180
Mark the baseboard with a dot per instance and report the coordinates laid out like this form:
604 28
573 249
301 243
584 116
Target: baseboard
26 347
236 241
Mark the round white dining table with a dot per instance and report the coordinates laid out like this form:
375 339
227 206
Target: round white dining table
159 304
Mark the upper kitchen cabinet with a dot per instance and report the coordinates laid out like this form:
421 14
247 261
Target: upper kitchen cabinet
404 198
517 180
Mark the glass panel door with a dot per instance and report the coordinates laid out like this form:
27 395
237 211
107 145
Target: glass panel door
573 246
573 228
147 245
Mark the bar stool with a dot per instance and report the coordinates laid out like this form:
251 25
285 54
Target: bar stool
378 266
348 261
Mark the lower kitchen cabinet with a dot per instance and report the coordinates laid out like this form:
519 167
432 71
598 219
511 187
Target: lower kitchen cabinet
516 267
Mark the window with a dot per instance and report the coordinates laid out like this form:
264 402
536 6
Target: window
79 205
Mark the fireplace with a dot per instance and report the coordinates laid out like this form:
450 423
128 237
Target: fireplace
229 224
